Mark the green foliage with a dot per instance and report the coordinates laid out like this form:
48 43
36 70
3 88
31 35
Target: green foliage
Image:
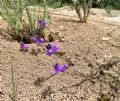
55 3
12 13
13 95
21 16
95 3
9 15
109 4
45 12
108 9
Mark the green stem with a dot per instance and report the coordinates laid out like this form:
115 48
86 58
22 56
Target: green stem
14 85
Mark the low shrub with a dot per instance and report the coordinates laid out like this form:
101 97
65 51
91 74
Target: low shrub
22 19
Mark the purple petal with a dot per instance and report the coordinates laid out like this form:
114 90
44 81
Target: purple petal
42 40
52 49
57 69
41 23
48 46
49 52
64 67
55 48
23 46
35 40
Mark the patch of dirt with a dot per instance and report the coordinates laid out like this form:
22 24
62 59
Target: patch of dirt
82 44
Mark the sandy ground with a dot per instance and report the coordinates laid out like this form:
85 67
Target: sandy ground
82 44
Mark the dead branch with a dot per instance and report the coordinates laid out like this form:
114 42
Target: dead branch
103 67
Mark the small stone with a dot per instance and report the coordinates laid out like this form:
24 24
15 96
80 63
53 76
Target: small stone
0 78
105 38
107 56
61 27
1 18
99 61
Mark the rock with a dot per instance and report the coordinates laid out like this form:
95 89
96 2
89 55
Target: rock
61 27
105 38
99 61
0 78
1 18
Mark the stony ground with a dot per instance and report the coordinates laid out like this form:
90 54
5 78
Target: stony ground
84 44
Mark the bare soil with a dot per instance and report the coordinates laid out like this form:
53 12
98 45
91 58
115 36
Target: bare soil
82 43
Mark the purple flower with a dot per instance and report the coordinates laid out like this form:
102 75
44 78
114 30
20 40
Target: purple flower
41 24
52 49
48 46
23 46
35 40
49 52
59 68
55 48
42 40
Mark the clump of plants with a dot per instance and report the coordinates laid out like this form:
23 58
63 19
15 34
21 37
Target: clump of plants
22 18
50 50
108 9
25 27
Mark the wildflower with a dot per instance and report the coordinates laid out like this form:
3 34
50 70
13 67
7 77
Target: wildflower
49 52
35 40
42 40
55 48
23 46
48 46
41 24
59 68
52 49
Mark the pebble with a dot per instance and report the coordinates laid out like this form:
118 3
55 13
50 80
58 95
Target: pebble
61 27
0 78
105 38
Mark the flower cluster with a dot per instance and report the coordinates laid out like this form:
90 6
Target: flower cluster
50 49
59 68
37 41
